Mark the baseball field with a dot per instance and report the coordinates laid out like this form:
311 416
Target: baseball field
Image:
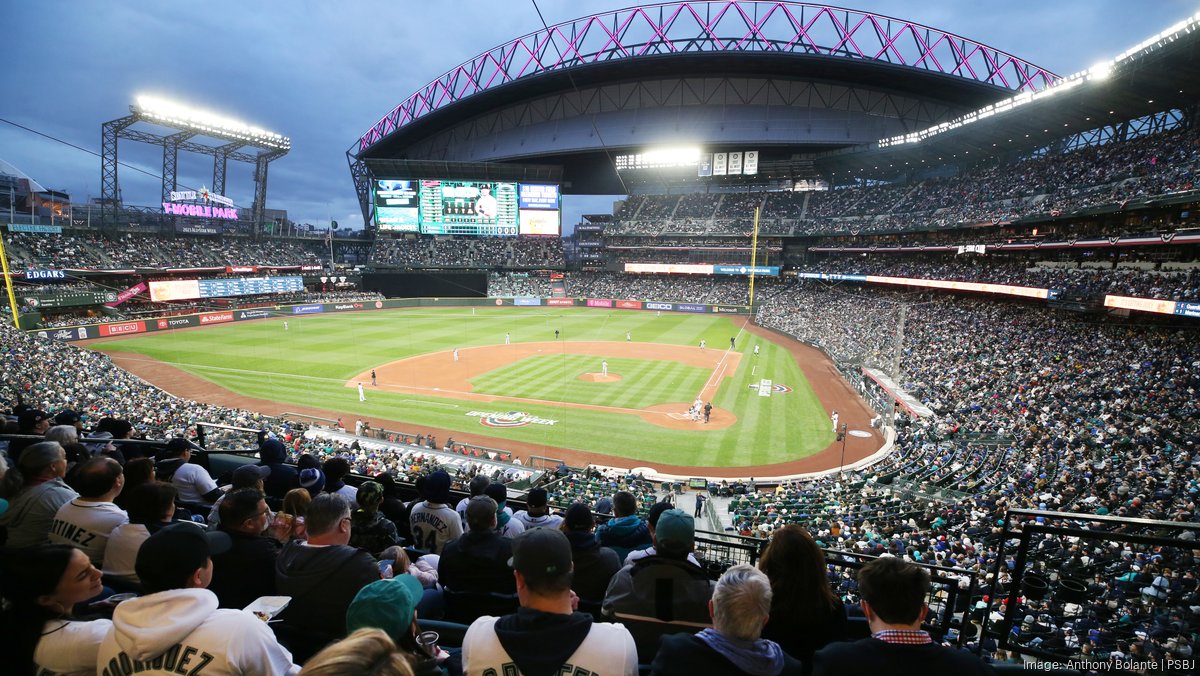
616 383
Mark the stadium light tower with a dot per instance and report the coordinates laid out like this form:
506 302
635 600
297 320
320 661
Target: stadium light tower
188 123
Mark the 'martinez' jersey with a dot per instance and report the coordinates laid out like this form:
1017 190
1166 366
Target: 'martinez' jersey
86 525
608 650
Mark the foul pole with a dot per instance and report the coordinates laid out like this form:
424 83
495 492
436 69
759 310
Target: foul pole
753 257
12 300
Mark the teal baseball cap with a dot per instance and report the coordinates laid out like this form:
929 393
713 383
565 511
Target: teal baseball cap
386 604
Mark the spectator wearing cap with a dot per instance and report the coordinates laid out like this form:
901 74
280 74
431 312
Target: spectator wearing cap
247 570
627 532
391 606
336 470
476 487
323 574
69 417
893 595
177 626
594 565
283 478
194 483
395 509
35 491
313 481
86 521
537 512
665 586
118 429
151 507
433 522
30 422
734 645
245 476
371 530
505 525
546 635
478 561
652 523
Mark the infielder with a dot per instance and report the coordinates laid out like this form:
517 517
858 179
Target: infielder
604 368
834 418
703 343
373 380
361 395
456 354
507 338
627 337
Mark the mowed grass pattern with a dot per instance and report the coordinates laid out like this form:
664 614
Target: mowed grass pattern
556 378
309 364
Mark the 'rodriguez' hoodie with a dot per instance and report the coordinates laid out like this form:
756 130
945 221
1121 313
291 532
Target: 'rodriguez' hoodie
182 631
542 644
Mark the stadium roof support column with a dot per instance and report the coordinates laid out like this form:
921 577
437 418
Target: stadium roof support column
170 166
220 162
361 176
260 188
110 197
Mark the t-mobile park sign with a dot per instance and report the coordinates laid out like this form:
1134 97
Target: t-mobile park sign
226 209
200 211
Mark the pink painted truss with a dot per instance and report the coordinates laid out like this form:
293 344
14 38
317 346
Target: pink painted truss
709 27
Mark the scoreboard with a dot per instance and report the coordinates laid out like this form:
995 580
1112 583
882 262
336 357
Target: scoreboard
471 208
187 289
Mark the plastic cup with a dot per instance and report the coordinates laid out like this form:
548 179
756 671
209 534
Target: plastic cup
427 640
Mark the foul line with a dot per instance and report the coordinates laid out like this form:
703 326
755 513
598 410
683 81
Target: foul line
714 378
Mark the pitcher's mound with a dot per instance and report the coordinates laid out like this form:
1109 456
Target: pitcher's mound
599 378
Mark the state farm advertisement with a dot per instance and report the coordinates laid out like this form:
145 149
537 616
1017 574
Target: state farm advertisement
122 328
216 317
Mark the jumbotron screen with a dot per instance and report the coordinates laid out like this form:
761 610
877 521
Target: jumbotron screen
477 208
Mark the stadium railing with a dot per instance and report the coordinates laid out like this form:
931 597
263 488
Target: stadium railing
1034 532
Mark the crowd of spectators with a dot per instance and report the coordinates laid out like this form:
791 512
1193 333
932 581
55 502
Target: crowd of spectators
1107 175
1032 409
1071 277
86 250
504 284
475 252
678 288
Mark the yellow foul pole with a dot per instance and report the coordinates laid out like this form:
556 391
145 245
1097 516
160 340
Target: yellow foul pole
12 300
753 255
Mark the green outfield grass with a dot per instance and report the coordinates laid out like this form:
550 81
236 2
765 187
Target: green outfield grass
310 363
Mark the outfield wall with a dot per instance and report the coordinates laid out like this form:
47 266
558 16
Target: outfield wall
152 324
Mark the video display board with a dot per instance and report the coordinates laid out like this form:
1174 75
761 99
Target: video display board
187 289
474 208
397 206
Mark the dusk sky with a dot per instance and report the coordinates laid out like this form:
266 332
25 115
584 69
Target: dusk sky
322 73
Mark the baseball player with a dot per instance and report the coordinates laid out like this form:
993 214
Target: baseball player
604 368
373 380
703 343
834 418
507 338
285 326
756 349
456 354
361 395
628 337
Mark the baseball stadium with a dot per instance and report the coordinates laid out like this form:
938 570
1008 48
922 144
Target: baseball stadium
888 332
